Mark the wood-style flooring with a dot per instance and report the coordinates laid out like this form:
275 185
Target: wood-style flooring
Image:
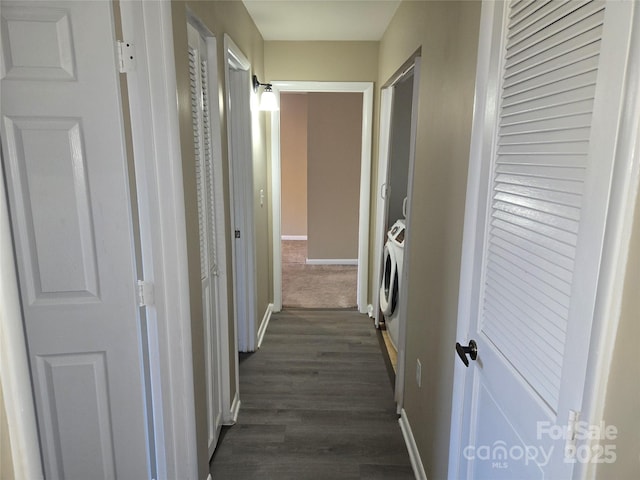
317 403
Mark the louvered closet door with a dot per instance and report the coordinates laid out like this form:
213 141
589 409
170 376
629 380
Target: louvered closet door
549 157
199 80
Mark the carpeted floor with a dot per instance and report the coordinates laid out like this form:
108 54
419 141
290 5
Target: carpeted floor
315 286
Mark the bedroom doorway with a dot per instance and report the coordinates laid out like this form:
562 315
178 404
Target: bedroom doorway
320 152
315 238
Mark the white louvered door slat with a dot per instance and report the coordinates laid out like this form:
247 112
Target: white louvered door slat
209 171
544 275
543 195
196 115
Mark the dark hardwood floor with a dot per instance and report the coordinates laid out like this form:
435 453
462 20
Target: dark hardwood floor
317 403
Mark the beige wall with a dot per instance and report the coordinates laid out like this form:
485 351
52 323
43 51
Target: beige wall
220 17
321 61
6 462
334 141
623 390
447 33
293 163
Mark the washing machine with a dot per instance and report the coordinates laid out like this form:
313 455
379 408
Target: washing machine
392 278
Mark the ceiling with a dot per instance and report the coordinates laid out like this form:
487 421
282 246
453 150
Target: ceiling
340 20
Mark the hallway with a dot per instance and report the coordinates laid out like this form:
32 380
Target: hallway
317 403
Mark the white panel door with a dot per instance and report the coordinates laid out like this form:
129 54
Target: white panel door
549 131
64 158
203 137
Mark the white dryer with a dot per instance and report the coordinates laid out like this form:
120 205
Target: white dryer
392 278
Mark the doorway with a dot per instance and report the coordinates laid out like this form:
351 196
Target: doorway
320 164
366 89
398 126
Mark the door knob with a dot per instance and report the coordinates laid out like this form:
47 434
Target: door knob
471 350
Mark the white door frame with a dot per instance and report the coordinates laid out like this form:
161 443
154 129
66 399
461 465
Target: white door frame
158 167
384 151
624 191
239 96
366 88
15 378
386 112
382 195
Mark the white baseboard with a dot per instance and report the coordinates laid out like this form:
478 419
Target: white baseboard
293 237
235 410
265 323
414 455
332 261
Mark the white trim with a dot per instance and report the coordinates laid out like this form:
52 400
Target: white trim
365 199
264 323
239 146
382 205
625 189
332 261
14 364
412 448
158 166
293 237
235 411
276 206
366 88
386 106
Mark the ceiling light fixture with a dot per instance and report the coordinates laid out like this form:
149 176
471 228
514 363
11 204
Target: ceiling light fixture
268 101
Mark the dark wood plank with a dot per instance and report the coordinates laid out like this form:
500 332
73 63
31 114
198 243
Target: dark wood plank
316 404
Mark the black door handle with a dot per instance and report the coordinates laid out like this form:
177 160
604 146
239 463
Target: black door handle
471 350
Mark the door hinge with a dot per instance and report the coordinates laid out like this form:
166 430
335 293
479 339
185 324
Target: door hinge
126 56
237 233
145 293
570 442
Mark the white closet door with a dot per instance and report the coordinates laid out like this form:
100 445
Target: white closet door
203 148
549 150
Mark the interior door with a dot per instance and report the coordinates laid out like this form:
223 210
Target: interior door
239 131
68 188
548 134
201 115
